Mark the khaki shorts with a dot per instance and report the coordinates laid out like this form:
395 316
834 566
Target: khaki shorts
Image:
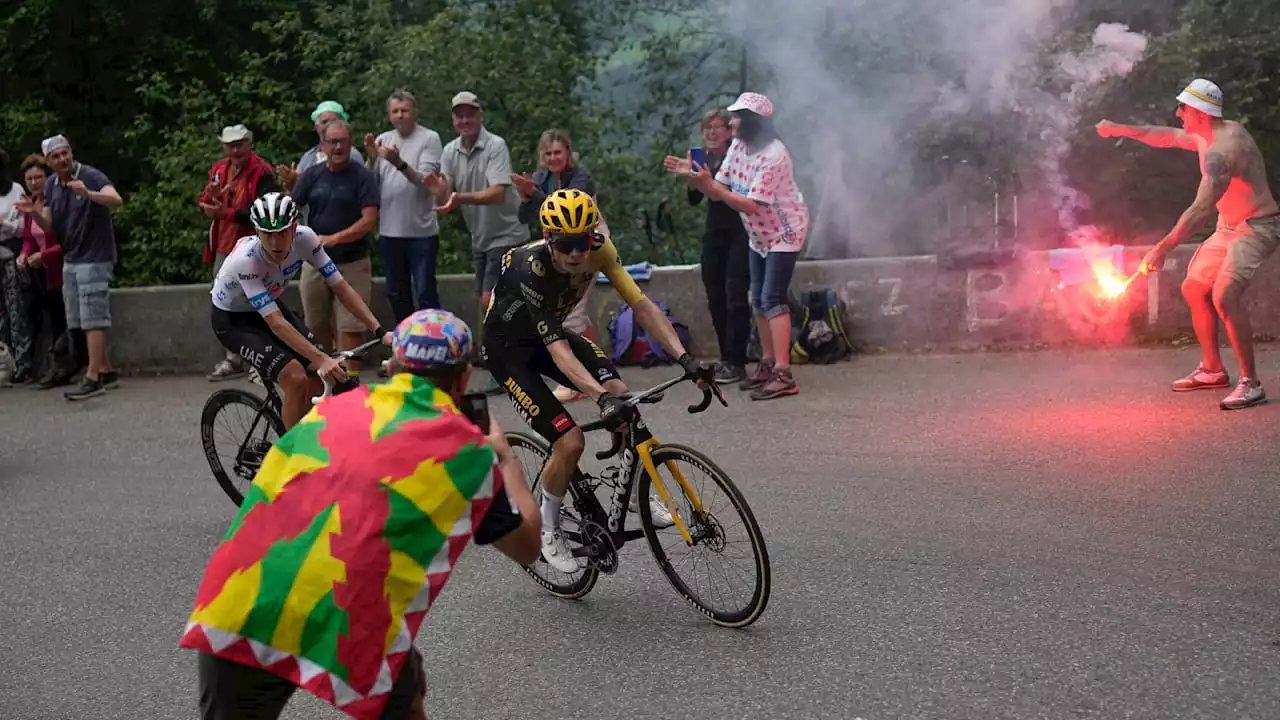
321 307
1235 253
86 295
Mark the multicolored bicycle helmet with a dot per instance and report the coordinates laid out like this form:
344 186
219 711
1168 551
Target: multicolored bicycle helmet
430 339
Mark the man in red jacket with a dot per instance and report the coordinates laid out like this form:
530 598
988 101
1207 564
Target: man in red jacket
234 183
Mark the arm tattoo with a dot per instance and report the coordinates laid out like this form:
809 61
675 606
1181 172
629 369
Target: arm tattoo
1215 167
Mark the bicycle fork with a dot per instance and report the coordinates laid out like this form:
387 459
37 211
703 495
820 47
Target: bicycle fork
645 450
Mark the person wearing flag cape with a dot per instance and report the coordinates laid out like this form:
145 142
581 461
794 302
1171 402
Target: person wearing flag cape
349 533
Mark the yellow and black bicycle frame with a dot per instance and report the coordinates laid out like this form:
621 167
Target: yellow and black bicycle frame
644 451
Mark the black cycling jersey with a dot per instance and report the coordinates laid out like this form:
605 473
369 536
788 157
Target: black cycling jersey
532 298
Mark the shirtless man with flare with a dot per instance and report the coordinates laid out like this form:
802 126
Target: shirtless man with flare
1234 180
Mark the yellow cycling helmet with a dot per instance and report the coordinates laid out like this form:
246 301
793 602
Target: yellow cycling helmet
569 212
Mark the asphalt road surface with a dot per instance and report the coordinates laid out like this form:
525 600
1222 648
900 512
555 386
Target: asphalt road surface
1044 535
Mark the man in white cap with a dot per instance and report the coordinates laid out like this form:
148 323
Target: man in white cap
235 181
1234 180
77 206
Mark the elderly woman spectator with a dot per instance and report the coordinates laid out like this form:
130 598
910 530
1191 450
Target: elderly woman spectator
726 275
559 169
42 257
15 283
756 179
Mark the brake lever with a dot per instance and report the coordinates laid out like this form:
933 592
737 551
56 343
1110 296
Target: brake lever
719 394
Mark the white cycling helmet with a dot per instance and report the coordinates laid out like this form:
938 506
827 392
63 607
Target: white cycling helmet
273 212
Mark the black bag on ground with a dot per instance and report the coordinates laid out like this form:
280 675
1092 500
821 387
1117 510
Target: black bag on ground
821 338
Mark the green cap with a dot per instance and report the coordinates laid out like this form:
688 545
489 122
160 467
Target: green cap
329 106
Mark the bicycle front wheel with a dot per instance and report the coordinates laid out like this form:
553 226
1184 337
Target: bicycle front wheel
727 548
237 430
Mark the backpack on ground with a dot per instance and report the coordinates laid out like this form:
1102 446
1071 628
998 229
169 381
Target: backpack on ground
633 345
822 339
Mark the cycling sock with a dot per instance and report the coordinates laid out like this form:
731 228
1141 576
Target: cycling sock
551 511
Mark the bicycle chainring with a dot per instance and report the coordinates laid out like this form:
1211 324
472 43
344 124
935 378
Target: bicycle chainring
603 554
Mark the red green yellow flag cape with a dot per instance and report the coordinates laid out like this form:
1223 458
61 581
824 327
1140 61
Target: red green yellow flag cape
344 541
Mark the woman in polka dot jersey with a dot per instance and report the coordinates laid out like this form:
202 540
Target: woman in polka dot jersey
756 179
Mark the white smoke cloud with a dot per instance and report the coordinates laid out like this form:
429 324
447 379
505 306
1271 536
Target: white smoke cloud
858 84
1113 53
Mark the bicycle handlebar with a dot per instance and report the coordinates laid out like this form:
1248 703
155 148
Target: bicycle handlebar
712 390
357 352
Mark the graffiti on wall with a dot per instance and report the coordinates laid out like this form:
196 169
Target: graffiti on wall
1030 300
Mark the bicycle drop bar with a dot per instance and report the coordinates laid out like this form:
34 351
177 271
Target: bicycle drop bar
356 352
707 393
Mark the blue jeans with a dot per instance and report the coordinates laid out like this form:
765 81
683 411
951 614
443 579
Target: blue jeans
770 281
410 267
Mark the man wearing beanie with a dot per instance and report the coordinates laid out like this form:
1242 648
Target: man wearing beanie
1234 182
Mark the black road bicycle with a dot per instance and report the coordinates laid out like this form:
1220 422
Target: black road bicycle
595 534
265 426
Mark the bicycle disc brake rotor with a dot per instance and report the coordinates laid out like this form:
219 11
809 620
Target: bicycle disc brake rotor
602 552
709 532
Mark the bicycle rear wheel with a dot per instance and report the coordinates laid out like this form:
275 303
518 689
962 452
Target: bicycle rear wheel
569 586
244 447
711 531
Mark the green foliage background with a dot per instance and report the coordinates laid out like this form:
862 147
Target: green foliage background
142 88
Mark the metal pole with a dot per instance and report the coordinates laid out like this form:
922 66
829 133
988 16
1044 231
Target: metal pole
1015 217
996 224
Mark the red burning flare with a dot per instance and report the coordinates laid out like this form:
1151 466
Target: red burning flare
1111 282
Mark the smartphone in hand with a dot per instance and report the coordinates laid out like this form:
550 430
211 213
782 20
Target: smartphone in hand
699 158
476 408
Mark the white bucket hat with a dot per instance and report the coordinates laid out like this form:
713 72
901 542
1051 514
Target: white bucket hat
1203 96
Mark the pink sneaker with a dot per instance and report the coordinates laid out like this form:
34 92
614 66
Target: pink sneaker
1202 379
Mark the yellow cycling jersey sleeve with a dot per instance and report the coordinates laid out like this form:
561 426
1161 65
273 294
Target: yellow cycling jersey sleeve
609 263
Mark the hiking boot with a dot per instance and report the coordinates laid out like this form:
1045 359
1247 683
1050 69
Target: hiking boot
1202 379
88 389
1248 393
779 385
728 373
761 375
226 370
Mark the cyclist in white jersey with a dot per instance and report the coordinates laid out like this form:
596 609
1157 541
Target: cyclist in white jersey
248 321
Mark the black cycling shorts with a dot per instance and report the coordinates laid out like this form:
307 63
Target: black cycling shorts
248 335
519 371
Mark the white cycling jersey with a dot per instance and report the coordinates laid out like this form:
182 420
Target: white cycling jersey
249 280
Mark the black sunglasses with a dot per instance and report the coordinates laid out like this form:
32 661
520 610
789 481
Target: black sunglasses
572 243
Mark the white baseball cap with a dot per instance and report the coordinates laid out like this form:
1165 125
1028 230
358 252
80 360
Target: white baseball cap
235 133
465 98
1203 96
755 102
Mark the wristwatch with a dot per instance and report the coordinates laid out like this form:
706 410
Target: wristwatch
402 166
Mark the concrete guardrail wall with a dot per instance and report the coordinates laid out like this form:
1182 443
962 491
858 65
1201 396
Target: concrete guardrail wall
894 303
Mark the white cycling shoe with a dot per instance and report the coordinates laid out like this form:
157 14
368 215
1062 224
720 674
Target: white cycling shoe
658 511
555 550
